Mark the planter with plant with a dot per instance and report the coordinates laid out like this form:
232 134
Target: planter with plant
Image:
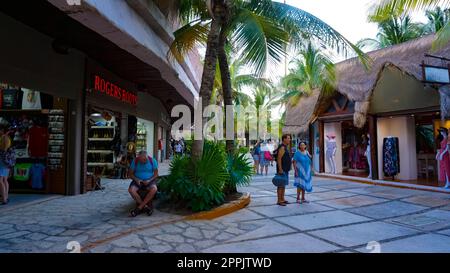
205 183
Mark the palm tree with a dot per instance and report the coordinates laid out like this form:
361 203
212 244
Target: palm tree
239 82
385 8
392 31
259 29
437 19
313 70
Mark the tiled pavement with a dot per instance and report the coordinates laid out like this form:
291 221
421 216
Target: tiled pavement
342 217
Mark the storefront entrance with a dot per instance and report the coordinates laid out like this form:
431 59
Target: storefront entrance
354 150
36 124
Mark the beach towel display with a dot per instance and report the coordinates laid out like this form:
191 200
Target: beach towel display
391 156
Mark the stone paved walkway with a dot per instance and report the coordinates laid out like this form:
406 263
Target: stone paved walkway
342 217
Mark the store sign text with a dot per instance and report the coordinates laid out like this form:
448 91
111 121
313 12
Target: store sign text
106 87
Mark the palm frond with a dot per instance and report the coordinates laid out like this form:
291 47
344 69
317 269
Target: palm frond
260 40
188 38
443 37
385 8
300 23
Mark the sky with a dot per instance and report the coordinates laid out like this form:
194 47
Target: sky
349 17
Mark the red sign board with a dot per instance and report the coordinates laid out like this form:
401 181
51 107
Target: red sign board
110 89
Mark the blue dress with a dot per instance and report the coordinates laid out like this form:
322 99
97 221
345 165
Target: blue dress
303 166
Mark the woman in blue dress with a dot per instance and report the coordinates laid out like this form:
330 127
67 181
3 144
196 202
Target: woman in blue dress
302 163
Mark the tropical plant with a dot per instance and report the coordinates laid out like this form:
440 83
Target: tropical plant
385 8
240 171
204 183
313 71
239 82
437 19
393 30
260 30
200 182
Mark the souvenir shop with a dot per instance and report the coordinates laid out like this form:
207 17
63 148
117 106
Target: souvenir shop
399 142
119 123
111 123
38 89
36 124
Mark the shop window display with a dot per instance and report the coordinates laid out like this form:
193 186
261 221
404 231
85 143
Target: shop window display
103 134
356 151
26 115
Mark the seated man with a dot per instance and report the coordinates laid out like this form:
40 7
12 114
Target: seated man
144 172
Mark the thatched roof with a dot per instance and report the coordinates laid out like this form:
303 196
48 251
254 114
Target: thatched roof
358 83
299 116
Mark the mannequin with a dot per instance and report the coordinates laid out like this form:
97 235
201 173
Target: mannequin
331 152
368 156
443 156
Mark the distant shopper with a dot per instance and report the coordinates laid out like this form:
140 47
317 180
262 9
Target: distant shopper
256 156
302 164
265 159
144 172
5 164
284 163
178 149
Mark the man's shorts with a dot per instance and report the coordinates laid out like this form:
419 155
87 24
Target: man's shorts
143 187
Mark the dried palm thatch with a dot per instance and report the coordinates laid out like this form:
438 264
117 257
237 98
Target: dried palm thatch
358 83
299 115
445 101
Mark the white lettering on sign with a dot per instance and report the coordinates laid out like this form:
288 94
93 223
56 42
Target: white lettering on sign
73 2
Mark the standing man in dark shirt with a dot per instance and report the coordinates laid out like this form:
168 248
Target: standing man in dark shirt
284 163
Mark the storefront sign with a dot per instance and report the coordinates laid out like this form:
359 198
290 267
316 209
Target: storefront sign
110 89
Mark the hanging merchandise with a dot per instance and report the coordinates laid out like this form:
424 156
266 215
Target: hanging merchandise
56 142
37 176
38 141
391 156
22 171
31 100
11 99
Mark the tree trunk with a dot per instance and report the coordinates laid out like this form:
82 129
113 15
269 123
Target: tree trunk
227 90
209 72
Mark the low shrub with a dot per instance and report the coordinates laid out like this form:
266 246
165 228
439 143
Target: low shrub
203 183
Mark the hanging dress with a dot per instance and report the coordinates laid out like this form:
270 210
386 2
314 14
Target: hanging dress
444 164
391 158
304 175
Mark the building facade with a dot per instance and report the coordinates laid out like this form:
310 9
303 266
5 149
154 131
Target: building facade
90 82
383 122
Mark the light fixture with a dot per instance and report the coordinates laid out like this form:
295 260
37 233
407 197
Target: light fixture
96 115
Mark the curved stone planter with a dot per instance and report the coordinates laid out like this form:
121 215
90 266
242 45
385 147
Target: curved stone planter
223 210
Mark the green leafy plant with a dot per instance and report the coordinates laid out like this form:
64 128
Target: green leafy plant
243 150
199 183
202 184
240 171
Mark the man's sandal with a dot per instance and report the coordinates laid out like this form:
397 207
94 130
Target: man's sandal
149 210
135 212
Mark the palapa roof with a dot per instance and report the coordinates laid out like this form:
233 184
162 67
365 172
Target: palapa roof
299 116
358 83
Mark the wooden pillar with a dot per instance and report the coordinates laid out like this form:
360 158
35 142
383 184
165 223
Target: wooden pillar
311 139
373 145
321 147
